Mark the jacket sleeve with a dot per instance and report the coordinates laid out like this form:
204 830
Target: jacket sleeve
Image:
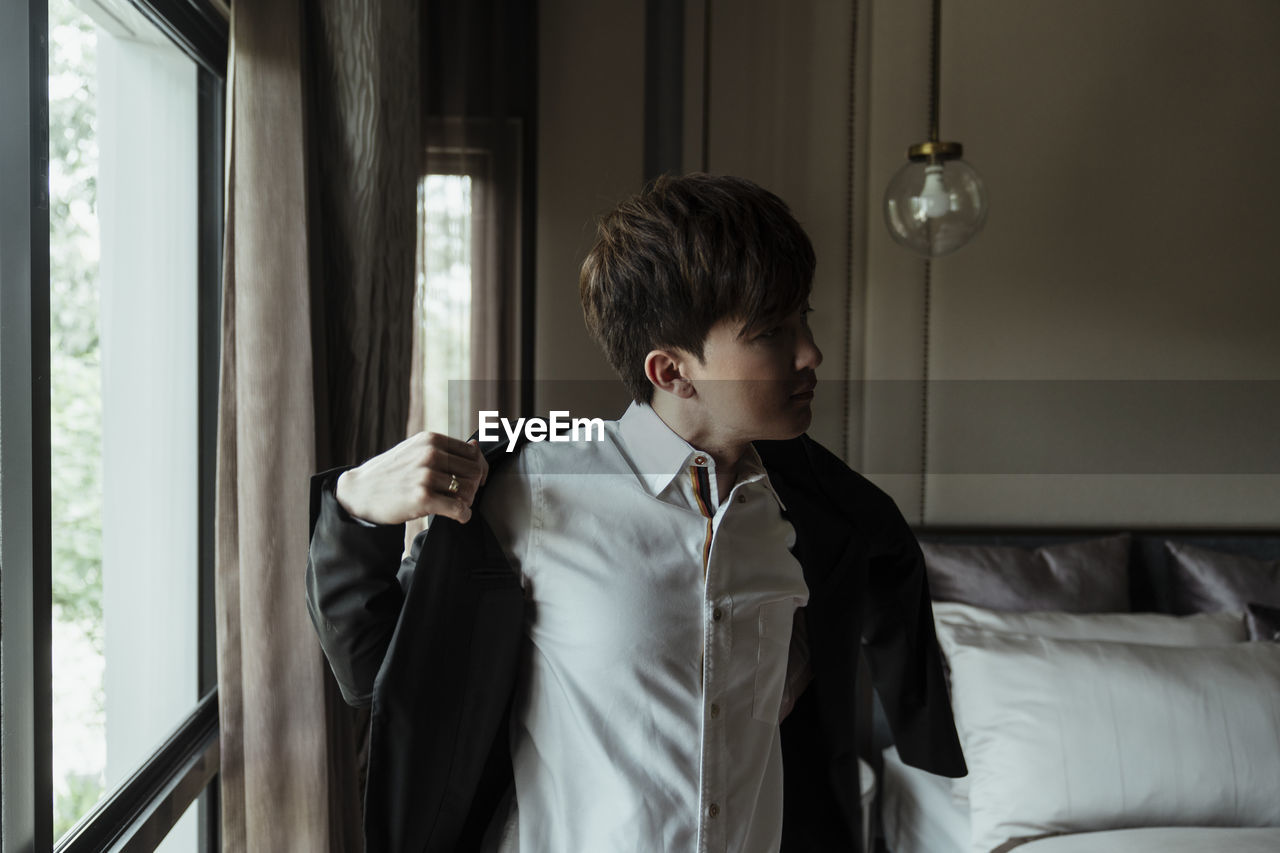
355 588
902 649
896 615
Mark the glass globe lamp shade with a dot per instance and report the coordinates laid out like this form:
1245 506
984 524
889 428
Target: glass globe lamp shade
935 206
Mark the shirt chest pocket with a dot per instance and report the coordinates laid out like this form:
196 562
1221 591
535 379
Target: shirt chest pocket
774 626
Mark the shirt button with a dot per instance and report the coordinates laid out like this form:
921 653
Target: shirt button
715 711
717 614
700 460
713 810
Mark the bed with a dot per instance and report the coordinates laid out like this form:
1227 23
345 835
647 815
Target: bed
1112 690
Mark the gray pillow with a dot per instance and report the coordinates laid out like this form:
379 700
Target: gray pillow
1089 576
1264 622
1204 581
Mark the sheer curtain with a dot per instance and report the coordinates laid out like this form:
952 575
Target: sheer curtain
323 157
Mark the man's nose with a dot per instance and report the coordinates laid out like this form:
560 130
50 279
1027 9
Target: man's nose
808 356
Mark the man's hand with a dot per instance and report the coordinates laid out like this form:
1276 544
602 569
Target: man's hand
412 479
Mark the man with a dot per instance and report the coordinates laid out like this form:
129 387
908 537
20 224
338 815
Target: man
605 659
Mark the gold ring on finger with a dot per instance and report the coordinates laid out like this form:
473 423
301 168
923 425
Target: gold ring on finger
452 488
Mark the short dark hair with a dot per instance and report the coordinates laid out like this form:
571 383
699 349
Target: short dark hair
683 254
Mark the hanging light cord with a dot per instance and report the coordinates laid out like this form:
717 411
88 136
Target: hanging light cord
934 87
850 204
935 70
924 391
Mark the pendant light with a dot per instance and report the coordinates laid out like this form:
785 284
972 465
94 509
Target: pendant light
937 202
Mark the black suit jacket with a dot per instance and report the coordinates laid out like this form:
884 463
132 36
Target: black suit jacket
434 649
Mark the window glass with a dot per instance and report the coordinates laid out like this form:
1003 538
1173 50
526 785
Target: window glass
444 303
123 375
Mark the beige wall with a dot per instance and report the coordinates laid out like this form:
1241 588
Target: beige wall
590 149
1126 147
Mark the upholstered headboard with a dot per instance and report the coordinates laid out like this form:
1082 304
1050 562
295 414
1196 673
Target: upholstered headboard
1148 560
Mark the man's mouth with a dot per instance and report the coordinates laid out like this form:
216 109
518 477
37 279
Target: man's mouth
806 392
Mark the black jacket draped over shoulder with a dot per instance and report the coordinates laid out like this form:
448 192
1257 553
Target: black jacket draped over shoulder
432 643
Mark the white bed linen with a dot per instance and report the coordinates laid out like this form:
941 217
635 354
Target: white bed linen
917 811
919 816
1161 839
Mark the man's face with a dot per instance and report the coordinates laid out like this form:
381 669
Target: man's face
757 385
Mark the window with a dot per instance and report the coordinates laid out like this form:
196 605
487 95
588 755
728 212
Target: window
467 333
442 330
110 221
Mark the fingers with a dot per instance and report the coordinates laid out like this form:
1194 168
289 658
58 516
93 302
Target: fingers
454 508
439 482
452 456
412 479
454 446
451 461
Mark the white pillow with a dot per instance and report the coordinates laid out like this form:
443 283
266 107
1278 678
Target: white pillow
1078 735
1157 629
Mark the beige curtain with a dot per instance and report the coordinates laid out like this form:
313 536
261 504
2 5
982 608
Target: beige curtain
323 147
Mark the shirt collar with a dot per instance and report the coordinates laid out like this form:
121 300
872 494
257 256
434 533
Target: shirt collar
658 455
751 467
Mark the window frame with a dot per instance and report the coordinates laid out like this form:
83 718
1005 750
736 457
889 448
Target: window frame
183 770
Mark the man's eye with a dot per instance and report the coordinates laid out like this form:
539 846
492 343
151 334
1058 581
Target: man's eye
771 333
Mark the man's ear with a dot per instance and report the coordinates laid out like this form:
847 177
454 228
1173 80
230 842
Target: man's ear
662 367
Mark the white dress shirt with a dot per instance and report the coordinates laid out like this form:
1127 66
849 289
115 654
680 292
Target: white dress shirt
657 630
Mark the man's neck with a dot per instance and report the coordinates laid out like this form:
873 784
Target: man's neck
703 436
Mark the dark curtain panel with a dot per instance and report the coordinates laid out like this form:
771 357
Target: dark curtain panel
323 154
365 98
